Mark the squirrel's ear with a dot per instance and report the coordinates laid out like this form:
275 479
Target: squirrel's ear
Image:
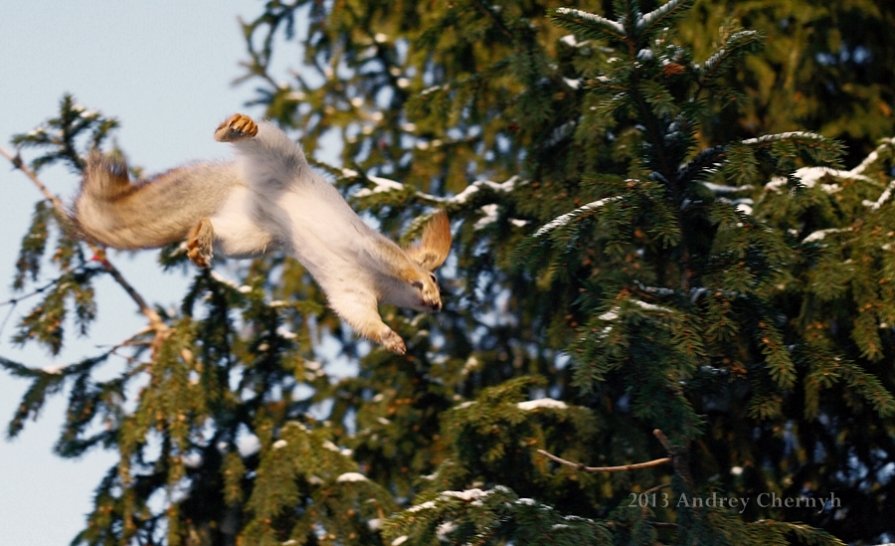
435 243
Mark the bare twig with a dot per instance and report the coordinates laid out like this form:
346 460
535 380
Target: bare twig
155 321
620 468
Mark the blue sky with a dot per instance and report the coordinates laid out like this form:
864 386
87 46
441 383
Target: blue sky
164 69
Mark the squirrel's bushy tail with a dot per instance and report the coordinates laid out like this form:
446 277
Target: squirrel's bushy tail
105 177
114 211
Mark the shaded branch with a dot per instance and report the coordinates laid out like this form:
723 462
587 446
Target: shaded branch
679 458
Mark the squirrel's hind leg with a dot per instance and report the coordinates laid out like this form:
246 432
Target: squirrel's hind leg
200 243
361 313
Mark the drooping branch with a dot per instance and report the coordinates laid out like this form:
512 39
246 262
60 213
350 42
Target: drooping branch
155 321
676 458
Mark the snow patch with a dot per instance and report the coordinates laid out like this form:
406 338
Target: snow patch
776 183
569 40
542 403
744 207
649 306
428 505
475 187
472 364
820 234
286 333
719 189
467 495
445 529
490 216
610 315
348 477
328 445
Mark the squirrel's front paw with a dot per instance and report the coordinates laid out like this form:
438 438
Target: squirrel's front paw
236 127
393 342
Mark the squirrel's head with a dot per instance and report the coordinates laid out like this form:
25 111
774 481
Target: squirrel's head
422 293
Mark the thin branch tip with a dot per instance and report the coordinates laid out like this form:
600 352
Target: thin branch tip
581 467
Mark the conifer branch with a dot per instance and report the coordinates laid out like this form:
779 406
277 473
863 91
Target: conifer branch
41 289
155 320
489 11
619 468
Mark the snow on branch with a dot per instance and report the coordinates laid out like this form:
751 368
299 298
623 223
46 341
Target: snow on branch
351 477
810 176
588 23
383 185
468 495
564 219
736 42
875 205
718 189
542 403
380 185
874 156
497 187
820 235
671 8
778 137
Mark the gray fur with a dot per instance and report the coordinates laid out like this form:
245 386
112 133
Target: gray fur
116 212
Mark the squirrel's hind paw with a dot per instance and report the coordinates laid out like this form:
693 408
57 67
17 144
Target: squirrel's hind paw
236 127
393 342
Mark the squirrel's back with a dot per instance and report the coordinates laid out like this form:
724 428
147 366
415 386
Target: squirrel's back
116 212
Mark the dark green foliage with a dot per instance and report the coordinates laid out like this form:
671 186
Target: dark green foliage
638 246
824 68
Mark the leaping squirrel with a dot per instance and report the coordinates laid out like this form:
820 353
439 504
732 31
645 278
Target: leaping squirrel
269 197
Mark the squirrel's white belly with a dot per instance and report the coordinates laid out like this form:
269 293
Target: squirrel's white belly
237 229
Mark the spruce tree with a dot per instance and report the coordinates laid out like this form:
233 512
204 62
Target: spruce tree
644 313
